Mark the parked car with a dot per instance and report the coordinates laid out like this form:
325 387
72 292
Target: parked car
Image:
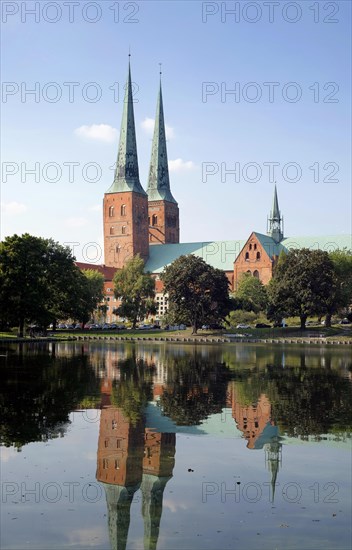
262 325
345 321
242 325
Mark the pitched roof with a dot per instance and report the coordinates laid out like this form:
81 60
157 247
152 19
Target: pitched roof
322 242
222 254
108 272
219 254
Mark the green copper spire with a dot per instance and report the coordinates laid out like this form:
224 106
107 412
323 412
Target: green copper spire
158 182
274 221
127 172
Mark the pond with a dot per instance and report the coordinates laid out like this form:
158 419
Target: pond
114 446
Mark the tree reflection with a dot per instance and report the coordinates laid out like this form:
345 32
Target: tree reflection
304 401
134 389
195 389
38 393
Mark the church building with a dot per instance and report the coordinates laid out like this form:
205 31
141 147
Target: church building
147 222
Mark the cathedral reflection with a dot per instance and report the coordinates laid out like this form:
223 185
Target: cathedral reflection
132 457
136 450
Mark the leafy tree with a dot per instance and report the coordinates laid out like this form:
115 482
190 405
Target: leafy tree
23 288
136 291
198 293
64 280
89 294
342 297
302 285
252 293
40 283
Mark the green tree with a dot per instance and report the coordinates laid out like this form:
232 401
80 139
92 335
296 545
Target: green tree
198 293
23 286
89 294
64 280
342 297
252 293
302 285
136 290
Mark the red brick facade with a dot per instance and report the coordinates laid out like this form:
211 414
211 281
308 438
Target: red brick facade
125 227
164 224
255 260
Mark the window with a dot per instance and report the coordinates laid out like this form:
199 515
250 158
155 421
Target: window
123 230
105 464
155 220
255 247
117 464
249 271
123 210
250 247
117 248
148 220
111 212
256 274
112 231
247 256
258 255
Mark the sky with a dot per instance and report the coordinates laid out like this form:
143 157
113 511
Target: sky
254 93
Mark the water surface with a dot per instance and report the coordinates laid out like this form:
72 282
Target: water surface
114 446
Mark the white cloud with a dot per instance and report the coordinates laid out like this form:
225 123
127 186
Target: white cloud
179 165
13 208
100 132
148 126
75 222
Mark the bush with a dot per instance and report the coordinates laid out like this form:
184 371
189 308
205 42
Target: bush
240 316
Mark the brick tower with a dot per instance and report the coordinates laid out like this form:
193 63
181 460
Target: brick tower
125 207
163 213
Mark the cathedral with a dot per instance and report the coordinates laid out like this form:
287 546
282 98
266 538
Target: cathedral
147 222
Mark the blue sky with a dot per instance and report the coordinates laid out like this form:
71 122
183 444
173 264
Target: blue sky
288 67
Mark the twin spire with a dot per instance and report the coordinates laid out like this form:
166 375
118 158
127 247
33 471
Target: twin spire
127 171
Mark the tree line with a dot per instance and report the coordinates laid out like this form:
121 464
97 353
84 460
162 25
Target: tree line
40 283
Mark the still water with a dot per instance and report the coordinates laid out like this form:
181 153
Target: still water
114 446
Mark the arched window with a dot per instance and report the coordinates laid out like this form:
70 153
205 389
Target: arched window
123 230
117 249
123 210
112 231
258 255
148 220
249 271
111 211
247 256
255 247
256 274
250 247
155 220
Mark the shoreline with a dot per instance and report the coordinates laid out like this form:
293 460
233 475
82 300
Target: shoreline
229 339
